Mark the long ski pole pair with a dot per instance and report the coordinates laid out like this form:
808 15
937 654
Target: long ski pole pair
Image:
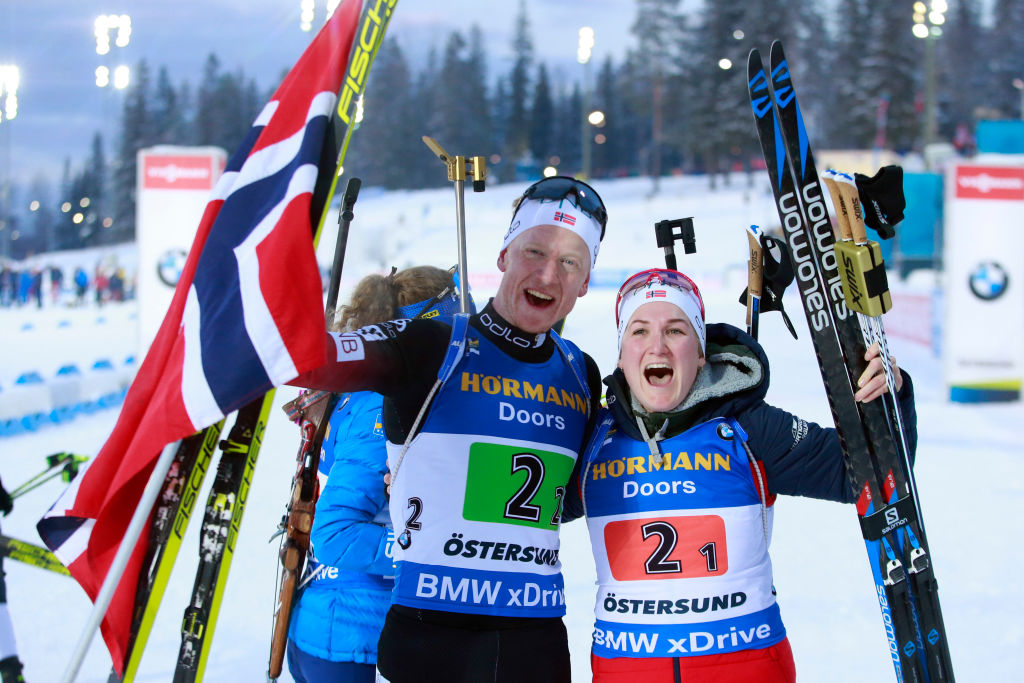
64 465
888 508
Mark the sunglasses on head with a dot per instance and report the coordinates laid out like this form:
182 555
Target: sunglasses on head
563 187
661 276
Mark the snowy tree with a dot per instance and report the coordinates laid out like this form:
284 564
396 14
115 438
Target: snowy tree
1006 59
851 114
517 124
893 69
656 28
386 147
136 127
168 116
541 118
962 68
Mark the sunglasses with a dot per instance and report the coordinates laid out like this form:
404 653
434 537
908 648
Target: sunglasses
562 187
662 276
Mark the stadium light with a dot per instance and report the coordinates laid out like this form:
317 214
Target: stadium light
307 11
10 79
118 26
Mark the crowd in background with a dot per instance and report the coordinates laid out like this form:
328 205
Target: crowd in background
39 286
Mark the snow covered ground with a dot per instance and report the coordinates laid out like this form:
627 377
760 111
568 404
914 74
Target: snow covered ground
966 453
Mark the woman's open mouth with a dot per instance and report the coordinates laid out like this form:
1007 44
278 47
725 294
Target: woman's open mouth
658 374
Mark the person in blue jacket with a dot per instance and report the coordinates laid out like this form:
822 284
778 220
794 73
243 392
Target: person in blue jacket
678 486
346 591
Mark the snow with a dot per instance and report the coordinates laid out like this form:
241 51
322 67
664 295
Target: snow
821 573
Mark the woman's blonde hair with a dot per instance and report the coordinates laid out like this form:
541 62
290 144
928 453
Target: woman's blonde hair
377 297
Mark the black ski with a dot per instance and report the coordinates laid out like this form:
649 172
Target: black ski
889 516
218 535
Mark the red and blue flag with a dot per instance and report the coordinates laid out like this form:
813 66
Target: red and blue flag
247 315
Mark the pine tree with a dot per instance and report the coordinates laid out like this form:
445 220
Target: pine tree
962 86
852 123
516 136
1007 57
656 28
136 128
542 118
386 146
893 68
168 119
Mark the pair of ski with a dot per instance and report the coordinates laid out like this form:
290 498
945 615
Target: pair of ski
844 293
222 515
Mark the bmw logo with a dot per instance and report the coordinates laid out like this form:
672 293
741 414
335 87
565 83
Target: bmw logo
405 539
170 265
988 280
725 431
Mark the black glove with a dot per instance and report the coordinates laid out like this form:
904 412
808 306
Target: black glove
6 502
882 199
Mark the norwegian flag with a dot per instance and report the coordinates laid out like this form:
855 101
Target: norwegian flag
565 217
247 315
656 293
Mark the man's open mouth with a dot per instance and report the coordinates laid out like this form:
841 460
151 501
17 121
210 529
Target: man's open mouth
539 299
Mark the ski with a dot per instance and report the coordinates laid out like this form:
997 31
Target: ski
218 535
30 553
889 515
171 515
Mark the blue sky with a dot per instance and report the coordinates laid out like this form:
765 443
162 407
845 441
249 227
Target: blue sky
52 43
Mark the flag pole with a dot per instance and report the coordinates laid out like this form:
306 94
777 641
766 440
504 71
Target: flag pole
131 536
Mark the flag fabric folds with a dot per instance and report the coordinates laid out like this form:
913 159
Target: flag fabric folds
247 315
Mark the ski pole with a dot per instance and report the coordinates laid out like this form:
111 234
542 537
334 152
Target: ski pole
63 465
755 278
667 232
344 220
459 168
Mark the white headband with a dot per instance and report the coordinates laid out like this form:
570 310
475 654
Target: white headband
561 213
655 291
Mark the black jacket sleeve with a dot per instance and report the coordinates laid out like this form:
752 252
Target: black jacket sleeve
572 502
805 459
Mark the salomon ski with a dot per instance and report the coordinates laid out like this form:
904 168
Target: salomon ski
889 514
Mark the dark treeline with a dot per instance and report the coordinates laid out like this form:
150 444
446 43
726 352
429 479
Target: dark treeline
671 104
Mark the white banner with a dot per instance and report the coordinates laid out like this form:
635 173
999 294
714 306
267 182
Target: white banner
984 264
173 188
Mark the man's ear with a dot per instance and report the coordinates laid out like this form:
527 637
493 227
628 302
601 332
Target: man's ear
501 260
584 286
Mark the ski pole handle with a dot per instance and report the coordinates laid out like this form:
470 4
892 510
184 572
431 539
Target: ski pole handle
667 232
344 220
755 279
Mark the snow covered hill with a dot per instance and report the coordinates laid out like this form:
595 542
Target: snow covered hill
968 458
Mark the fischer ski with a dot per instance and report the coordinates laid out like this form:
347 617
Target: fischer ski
218 535
888 509
30 553
171 515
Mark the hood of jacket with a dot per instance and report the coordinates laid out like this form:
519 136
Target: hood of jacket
734 377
